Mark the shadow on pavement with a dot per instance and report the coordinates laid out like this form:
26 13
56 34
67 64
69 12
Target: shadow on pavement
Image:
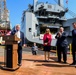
50 63
53 58
38 60
57 65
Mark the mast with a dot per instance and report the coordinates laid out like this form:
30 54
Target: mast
5 11
61 3
35 3
0 10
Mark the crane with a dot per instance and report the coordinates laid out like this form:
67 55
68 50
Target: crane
3 11
4 17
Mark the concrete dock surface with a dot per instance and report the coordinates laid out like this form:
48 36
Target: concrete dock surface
35 65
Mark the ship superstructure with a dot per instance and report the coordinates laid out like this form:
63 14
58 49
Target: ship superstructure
40 16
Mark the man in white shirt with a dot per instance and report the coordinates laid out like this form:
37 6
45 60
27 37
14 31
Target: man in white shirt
20 43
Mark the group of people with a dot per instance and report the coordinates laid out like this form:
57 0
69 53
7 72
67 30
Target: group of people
62 44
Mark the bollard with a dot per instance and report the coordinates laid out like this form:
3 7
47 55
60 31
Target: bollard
70 47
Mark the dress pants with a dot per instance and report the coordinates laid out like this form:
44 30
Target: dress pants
19 54
62 50
73 53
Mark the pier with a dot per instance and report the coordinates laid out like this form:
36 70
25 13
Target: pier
35 65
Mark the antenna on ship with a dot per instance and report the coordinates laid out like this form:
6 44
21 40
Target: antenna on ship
60 3
35 3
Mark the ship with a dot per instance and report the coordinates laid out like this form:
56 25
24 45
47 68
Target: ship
40 16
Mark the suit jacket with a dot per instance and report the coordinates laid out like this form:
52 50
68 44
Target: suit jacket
21 37
62 41
73 37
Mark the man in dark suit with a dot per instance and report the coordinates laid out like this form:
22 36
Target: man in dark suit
21 43
74 43
62 44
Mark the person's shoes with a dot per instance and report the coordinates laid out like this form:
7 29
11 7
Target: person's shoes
65 62
46 60
72 64
19 64
59 61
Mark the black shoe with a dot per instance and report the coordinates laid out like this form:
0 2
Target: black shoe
73 64
65 62
59 61
45 60
19 64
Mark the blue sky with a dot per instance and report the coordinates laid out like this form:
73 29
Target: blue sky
16 8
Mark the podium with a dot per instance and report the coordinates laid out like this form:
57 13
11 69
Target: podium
11 55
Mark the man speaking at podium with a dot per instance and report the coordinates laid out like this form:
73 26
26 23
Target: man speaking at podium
21 43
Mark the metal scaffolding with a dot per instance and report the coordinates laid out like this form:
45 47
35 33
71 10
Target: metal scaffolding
3 11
